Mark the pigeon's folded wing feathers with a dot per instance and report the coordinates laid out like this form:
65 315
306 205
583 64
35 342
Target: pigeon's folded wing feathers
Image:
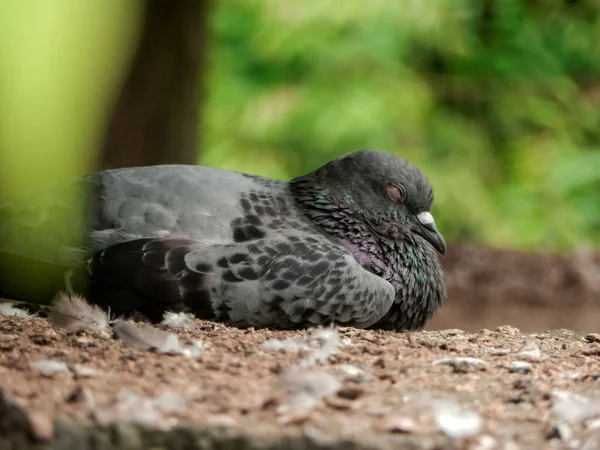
289 280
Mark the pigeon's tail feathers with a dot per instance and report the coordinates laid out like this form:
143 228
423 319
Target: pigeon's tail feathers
147 276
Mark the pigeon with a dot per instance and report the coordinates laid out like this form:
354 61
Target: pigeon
352 243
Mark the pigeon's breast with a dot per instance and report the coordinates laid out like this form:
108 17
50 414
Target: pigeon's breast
416 274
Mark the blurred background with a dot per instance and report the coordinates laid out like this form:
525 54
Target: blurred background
498 102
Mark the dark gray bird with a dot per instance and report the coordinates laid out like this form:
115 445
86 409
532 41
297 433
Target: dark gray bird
352 243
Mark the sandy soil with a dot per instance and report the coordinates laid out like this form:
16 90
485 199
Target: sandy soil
439 389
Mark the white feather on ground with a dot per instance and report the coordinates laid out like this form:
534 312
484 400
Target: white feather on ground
455 421
285 344
305 389
180 320
9 309
321 343
74 313
146 338
130 407
330 341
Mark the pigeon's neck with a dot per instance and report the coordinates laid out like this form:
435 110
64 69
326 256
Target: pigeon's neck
339 223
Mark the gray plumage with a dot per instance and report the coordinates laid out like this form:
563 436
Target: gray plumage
351 243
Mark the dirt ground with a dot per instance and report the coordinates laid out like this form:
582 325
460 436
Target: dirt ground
496 387
384 388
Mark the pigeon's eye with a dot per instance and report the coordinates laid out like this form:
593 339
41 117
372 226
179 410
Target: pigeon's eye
395 192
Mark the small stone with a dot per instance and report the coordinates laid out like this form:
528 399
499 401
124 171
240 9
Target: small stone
592 424
457 423
398 424
294 418
452 332
530 351
81 395
592 337
507 330
83 342
48 367
498 351
351 392
354 373
462 364
519 367
84 371
562 431
338 403
485 442
48 338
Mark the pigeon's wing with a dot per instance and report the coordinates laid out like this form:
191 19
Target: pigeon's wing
291 280
113 206
195 202
48 231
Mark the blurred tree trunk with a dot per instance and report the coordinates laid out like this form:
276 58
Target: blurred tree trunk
157 114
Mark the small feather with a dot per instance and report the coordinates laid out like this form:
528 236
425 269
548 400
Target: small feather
285 344
9 309
179 320
130 407
305 389
143 337
73 312
146 338
330 339
321 343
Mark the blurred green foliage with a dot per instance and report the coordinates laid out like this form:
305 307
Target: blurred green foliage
61 66
497 101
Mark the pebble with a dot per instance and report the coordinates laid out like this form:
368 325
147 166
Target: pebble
398 424
48 367
456 423
519 367
530 351
562 431
462 364
592 337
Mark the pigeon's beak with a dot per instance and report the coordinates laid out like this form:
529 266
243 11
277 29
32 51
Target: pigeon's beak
430 233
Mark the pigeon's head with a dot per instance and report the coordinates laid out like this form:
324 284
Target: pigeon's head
387 192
